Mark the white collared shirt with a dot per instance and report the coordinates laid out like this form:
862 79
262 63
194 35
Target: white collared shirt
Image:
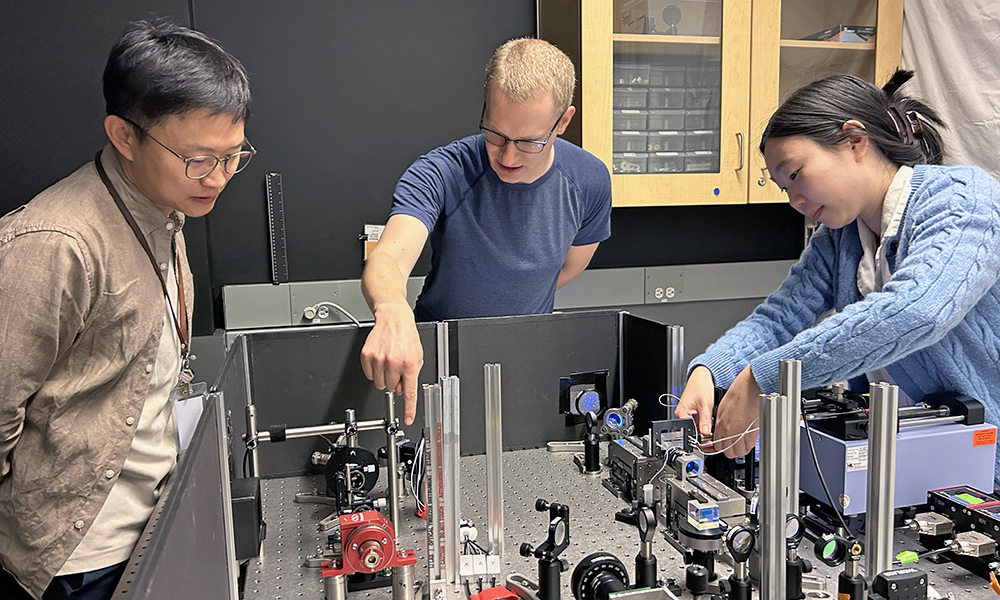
873 268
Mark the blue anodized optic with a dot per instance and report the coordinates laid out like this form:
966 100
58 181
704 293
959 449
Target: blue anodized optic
613 420
589 401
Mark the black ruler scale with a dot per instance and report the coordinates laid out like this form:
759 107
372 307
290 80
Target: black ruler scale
276 218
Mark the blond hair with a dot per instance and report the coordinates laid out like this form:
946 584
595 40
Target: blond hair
526 68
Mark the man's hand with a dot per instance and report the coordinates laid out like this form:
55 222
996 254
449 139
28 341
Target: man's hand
698 399
739 408
392 355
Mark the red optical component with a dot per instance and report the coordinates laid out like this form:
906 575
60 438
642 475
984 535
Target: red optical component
368 543
495 593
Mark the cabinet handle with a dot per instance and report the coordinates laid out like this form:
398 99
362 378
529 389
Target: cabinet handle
739 140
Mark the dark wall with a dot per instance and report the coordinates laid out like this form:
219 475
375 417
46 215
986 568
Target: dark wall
346 95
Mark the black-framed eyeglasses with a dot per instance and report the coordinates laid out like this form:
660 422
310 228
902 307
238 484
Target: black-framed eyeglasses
200 167
527 146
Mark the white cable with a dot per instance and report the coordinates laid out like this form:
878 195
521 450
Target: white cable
312 312
738 438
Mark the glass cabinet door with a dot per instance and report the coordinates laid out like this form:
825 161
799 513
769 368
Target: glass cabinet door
665 86
817 38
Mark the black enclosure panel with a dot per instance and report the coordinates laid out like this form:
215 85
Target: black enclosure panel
183 552
533 352
644 368
303 378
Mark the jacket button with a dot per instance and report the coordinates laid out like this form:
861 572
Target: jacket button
169 226
78 525
130 421
110 474
163 266
149 368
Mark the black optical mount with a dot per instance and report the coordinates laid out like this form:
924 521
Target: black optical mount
740 541
834 550
591 444
642 515
547 553
795 565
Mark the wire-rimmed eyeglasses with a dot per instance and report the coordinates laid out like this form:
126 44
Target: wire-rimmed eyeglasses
527 146
200 167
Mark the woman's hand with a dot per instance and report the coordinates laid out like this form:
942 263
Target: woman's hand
698 399
739 408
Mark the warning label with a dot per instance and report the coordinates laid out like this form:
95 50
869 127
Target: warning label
984 437
856 459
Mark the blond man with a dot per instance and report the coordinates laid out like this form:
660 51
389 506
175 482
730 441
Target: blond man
513 214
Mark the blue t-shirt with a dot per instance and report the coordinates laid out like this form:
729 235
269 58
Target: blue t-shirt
497 247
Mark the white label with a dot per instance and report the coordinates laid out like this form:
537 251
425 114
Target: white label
373 232
856 459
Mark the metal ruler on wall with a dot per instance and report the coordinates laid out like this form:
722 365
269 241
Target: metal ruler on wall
276 228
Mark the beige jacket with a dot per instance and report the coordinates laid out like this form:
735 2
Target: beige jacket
81 314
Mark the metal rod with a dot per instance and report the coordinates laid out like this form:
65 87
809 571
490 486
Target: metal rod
350 428
333 428
675 364
450 401
881 491
773 506
252 439
790 386
443 352
494 459
435 503
251 410
931 420
392 461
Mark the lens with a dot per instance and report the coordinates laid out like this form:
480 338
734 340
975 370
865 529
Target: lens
829 550
200 166
589 401
529 147
742 541
239 161
613 420
493 137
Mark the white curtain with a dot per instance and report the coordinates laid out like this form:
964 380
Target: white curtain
954 47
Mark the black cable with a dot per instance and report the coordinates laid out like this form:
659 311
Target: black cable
822 480
896 561
478 547
468 590
246 462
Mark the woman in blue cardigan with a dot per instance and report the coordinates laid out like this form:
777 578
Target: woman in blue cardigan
904 269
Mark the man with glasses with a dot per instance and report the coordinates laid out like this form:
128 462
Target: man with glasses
512 214
95 310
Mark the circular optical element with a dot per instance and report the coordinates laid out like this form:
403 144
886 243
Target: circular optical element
832 550
740 541
793 529
614 420
588 401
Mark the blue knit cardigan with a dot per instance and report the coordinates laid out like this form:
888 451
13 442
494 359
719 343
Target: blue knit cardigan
935 325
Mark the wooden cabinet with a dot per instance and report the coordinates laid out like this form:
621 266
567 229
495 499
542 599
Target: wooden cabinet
673 94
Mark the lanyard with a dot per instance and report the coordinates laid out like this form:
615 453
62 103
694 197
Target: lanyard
181 325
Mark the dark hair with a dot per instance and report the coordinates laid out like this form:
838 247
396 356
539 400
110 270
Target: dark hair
904 129
157 69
